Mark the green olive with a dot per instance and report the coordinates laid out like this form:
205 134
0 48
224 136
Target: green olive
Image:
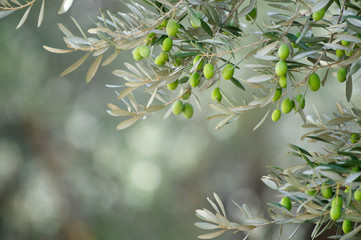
216 95
335 213
344 42
276 115
347 226
144 51
340 53
283 51
208 71
311 192
287 105
228 71
172 28
318 15
196 21
341 74
281 68
178 107
167 44
283 81
314 82
252 15
164 23
194 79
300 103
277 94
357 195
188 110
348 53
162 58
326 191
354 137
286 202
173 85
337 201
196 59
136 54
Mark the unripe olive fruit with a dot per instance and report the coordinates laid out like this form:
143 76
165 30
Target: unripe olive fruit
281 68
348 53
340 52
344 42
164 23
228 71
286 202
341 74
167 44
300 103
216 95
337 201
186 95
276 115
283 81
277 94
310 192
172 28
195 60
357 195
151 35
252 14
208 71
144 51
346 226
136 54
283 51
159 60
354 137
318 15
196 21
178 107
194 79
287 105
314 82
173 85
326 191
335 212
188 110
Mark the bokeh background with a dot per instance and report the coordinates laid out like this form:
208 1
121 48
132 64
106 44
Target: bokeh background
66 173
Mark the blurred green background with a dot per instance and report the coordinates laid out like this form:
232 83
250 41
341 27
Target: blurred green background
66 173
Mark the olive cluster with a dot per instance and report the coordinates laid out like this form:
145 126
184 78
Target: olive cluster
313 81
336 203
200 68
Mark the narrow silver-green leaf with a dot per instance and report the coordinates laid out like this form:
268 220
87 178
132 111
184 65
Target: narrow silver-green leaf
5 13
212 235
41 13
75 65
93 68
65 6
205 225
23 19
127 123
111 58
57 50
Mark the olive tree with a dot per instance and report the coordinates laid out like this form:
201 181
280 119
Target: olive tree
294 47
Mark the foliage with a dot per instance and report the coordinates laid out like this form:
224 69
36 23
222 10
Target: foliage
182 48
337 167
